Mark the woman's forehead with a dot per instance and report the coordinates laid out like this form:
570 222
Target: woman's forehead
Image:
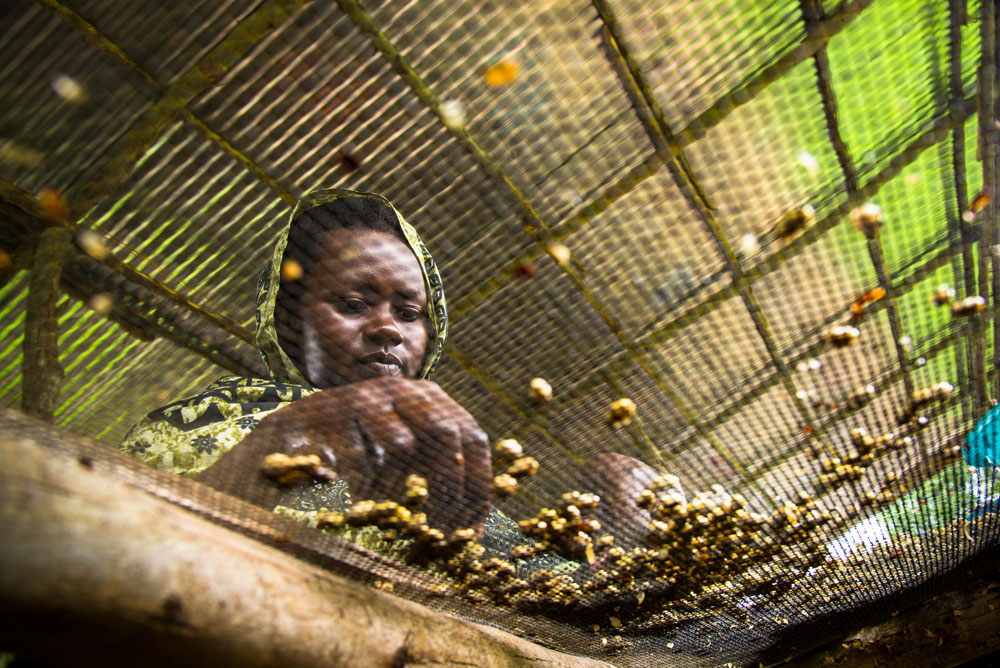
372 258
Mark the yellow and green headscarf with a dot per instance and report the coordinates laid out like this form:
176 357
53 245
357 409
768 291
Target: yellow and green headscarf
278 362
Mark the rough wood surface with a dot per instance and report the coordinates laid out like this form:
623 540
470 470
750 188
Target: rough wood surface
42 375
94 571
946 630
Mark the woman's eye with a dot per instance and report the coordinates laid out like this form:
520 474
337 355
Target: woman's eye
355 305
409 314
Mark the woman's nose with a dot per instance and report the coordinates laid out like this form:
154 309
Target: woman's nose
382 328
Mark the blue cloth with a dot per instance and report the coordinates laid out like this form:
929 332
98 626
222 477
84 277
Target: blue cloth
982 445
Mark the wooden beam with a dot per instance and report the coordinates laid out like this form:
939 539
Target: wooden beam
823 31
990 133
142 306
21 206
245 34
94 571
946 630
136 308
41 374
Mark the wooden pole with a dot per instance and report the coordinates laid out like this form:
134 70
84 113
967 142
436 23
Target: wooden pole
947 630
94 571
83 276
41 374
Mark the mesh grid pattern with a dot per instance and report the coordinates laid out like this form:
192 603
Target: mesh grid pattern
664 145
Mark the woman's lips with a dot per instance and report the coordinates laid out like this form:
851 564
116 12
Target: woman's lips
384 368
382 364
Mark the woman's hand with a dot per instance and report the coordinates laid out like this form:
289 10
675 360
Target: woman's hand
374 434
618 479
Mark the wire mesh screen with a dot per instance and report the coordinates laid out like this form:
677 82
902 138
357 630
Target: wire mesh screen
719 283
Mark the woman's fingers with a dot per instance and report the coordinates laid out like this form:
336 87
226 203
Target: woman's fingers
240 473
432 417
478 477
322 424
618 479
391 453
461 482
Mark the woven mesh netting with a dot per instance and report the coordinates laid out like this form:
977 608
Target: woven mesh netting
720 285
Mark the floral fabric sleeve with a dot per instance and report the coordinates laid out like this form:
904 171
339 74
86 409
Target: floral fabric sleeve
188 436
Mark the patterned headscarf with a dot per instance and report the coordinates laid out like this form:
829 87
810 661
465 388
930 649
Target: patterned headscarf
280 365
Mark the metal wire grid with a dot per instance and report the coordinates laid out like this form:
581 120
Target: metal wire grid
169 39
546 141
179 245
640 349
677 260
63 134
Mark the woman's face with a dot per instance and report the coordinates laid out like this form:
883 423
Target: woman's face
363 313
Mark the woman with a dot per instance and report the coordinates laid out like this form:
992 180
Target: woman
351 320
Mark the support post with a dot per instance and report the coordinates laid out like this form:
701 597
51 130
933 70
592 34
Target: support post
41 374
